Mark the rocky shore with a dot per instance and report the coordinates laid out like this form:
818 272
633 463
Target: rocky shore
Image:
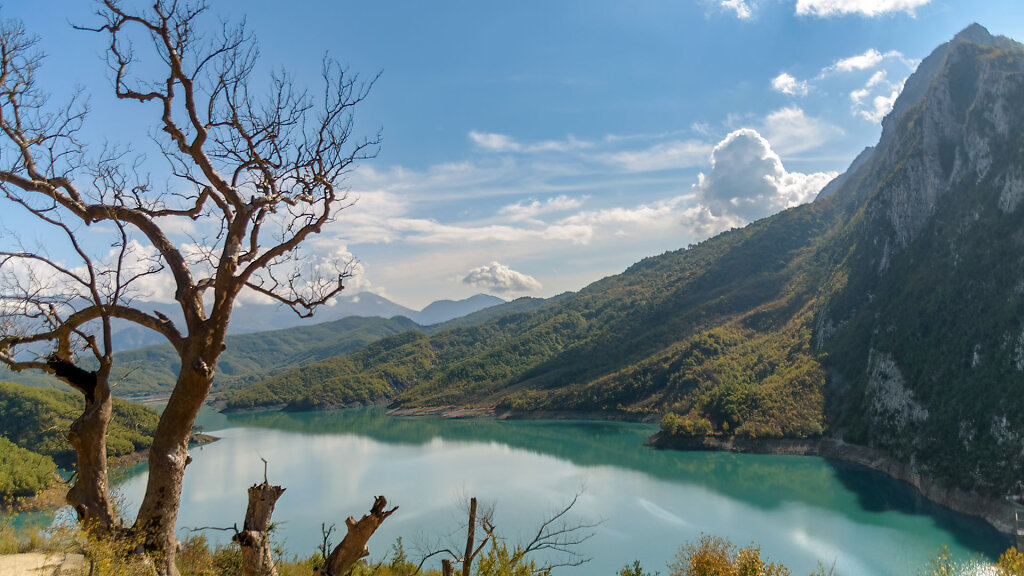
996 511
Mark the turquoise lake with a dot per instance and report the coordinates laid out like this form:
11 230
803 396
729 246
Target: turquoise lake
800 510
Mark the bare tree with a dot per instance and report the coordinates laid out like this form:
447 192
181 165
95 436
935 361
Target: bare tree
255 175
556 537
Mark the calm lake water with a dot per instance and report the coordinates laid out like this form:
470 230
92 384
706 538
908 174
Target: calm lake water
801 510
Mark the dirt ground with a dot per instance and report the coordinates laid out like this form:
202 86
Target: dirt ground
38 564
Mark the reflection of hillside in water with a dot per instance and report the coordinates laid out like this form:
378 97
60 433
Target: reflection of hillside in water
767 482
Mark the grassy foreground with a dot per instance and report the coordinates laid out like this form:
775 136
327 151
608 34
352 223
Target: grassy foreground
708 556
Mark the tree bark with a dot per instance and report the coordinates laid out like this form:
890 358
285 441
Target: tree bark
446 568
89 496
353 546
467 560
257 556
168 457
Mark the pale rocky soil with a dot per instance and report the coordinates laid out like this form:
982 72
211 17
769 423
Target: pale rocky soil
39 563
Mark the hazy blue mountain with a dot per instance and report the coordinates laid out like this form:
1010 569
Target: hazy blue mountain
444 310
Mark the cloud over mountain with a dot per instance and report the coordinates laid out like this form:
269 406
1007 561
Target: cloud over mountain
747 179
497 277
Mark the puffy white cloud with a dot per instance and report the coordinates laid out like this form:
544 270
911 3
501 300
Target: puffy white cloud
740 7
497 277
747 179
790 130
787 84
824 8
664 156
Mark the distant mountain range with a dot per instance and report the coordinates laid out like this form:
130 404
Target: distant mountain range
256 356
265 317
889 312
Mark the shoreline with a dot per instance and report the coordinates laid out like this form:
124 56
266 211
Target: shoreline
456 412
52 498
997 512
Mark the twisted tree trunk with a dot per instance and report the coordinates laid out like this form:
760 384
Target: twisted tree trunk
353 546
257 556
89 496
168 457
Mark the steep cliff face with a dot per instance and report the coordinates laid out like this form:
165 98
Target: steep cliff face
924 313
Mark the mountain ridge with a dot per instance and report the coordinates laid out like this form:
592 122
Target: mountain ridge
257 317
827 318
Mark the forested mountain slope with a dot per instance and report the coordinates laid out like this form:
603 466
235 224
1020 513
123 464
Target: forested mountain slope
540 359
33 425
889 312
253 357
923 317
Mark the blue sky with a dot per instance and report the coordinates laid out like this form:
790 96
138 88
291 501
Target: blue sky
533 147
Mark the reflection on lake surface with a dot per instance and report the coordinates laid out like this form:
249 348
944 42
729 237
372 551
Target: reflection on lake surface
800 510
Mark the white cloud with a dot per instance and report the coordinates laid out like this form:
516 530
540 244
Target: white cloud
679 213
877 78
787 84
825 8
665 156
497 277
494 142
503 143
869 59
425 231
318 265
531 209
876 98
879 106
790 130
747 179
740 7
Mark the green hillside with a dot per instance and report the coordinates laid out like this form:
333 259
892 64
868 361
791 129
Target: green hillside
889 312
254 357
248 357
598 349
23 472
33 425
38 420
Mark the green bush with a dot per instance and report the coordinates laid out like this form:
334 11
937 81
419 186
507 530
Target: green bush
22 472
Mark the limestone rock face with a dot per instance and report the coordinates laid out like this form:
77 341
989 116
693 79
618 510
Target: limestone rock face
923 316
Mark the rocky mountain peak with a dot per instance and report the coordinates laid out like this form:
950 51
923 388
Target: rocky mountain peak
975 33
917 85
